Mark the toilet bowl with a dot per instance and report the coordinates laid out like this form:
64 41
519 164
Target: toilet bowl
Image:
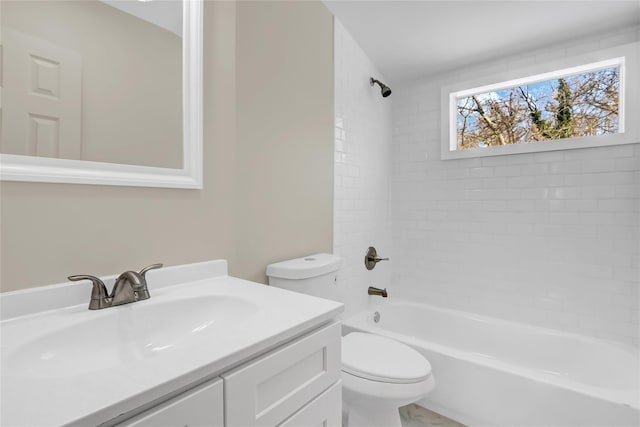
378 374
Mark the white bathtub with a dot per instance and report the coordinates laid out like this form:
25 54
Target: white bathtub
499 373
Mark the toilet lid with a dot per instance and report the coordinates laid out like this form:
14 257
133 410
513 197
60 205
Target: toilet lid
382 359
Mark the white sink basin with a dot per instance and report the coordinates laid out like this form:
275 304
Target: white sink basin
87 367
127 334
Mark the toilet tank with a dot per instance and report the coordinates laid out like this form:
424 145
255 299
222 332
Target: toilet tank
315 275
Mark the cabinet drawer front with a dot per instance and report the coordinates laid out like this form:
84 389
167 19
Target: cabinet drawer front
323 411
202 406
268 390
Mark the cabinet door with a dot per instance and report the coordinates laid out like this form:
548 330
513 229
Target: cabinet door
202 406
270 389
323 411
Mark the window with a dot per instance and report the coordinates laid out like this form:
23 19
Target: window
567 106
572 107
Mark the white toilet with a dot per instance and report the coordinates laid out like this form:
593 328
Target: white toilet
378 374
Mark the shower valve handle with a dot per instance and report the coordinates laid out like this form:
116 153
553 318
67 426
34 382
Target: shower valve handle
371 258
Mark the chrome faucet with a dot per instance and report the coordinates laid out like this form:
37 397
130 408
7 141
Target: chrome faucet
130 286
377 291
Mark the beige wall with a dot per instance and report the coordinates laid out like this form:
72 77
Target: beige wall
268 167
131 78
285 133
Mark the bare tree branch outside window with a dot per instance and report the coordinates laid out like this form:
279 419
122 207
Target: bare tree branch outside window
574 106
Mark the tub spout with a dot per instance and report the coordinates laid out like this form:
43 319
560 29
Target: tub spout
377 291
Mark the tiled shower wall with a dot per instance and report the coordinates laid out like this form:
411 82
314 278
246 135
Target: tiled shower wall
550 239
362 204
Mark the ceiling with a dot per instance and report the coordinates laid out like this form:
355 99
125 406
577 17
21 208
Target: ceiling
412 39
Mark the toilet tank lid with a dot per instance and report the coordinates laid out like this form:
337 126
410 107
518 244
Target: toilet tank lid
305 267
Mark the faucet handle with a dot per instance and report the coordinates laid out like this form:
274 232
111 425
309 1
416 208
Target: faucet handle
150 267
143 292
371 258
99 294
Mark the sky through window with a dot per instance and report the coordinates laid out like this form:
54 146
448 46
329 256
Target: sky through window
577 105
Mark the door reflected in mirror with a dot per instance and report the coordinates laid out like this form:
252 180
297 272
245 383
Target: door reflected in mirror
93 80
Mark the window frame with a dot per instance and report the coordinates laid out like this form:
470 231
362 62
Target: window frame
626 56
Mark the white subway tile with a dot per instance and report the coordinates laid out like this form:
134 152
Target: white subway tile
494 161
598 165
508 171
535 193
549 238
522 182
627 192
535 169
623 150
496 182
627 164
577 205
617 38
549 156
618 205
582 47
565 167
480 172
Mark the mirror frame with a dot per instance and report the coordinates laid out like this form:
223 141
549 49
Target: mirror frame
42 169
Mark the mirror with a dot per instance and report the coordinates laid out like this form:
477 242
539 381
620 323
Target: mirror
102 92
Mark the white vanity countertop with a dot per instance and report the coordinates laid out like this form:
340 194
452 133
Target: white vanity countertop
71 365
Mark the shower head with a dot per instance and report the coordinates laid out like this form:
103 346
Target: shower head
384 89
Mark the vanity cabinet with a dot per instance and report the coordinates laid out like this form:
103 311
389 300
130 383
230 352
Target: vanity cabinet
200 406
296 384
325 410
270 389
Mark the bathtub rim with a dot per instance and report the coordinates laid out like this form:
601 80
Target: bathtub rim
624 397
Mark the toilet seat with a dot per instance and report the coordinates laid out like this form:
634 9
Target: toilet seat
382 359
